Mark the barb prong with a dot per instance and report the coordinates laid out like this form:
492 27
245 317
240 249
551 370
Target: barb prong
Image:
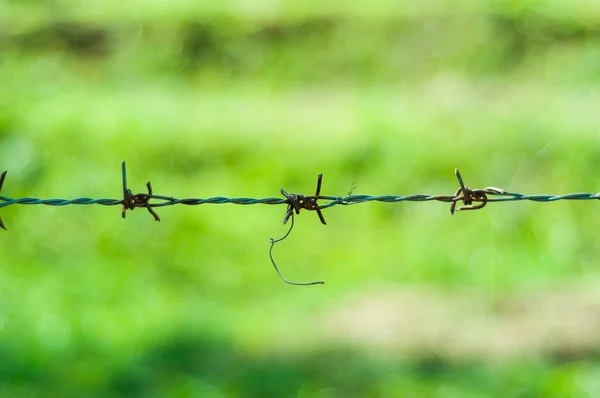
127 195
319 181
149 186
462 189
2 178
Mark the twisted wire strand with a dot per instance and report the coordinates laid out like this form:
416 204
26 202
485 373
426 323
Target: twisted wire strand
333 200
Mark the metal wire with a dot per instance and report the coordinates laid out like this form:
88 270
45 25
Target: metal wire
335 200
471 199
273 241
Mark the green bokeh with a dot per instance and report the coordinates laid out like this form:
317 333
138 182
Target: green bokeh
243 98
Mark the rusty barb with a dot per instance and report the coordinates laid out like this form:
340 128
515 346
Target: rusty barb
472 199
131 201
468 196
296 202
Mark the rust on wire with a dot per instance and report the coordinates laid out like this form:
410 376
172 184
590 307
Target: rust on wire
131 201
468 196
296 202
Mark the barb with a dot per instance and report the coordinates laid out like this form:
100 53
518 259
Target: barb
296 202
472 199
131 201
468 196
273 241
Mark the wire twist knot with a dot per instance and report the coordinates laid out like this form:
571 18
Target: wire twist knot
297 202
468 196
131 201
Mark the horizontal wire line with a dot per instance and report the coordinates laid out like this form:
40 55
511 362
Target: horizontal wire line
296 202
334 200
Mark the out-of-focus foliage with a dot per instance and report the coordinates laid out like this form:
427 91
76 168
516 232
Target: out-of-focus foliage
243 98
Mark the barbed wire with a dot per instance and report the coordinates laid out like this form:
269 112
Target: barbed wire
472 199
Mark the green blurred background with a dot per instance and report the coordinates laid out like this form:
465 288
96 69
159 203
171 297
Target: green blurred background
241 98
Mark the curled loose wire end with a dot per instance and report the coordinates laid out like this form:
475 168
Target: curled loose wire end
352 188
344 201
273 241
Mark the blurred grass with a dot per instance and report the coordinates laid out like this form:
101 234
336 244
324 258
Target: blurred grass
243 99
